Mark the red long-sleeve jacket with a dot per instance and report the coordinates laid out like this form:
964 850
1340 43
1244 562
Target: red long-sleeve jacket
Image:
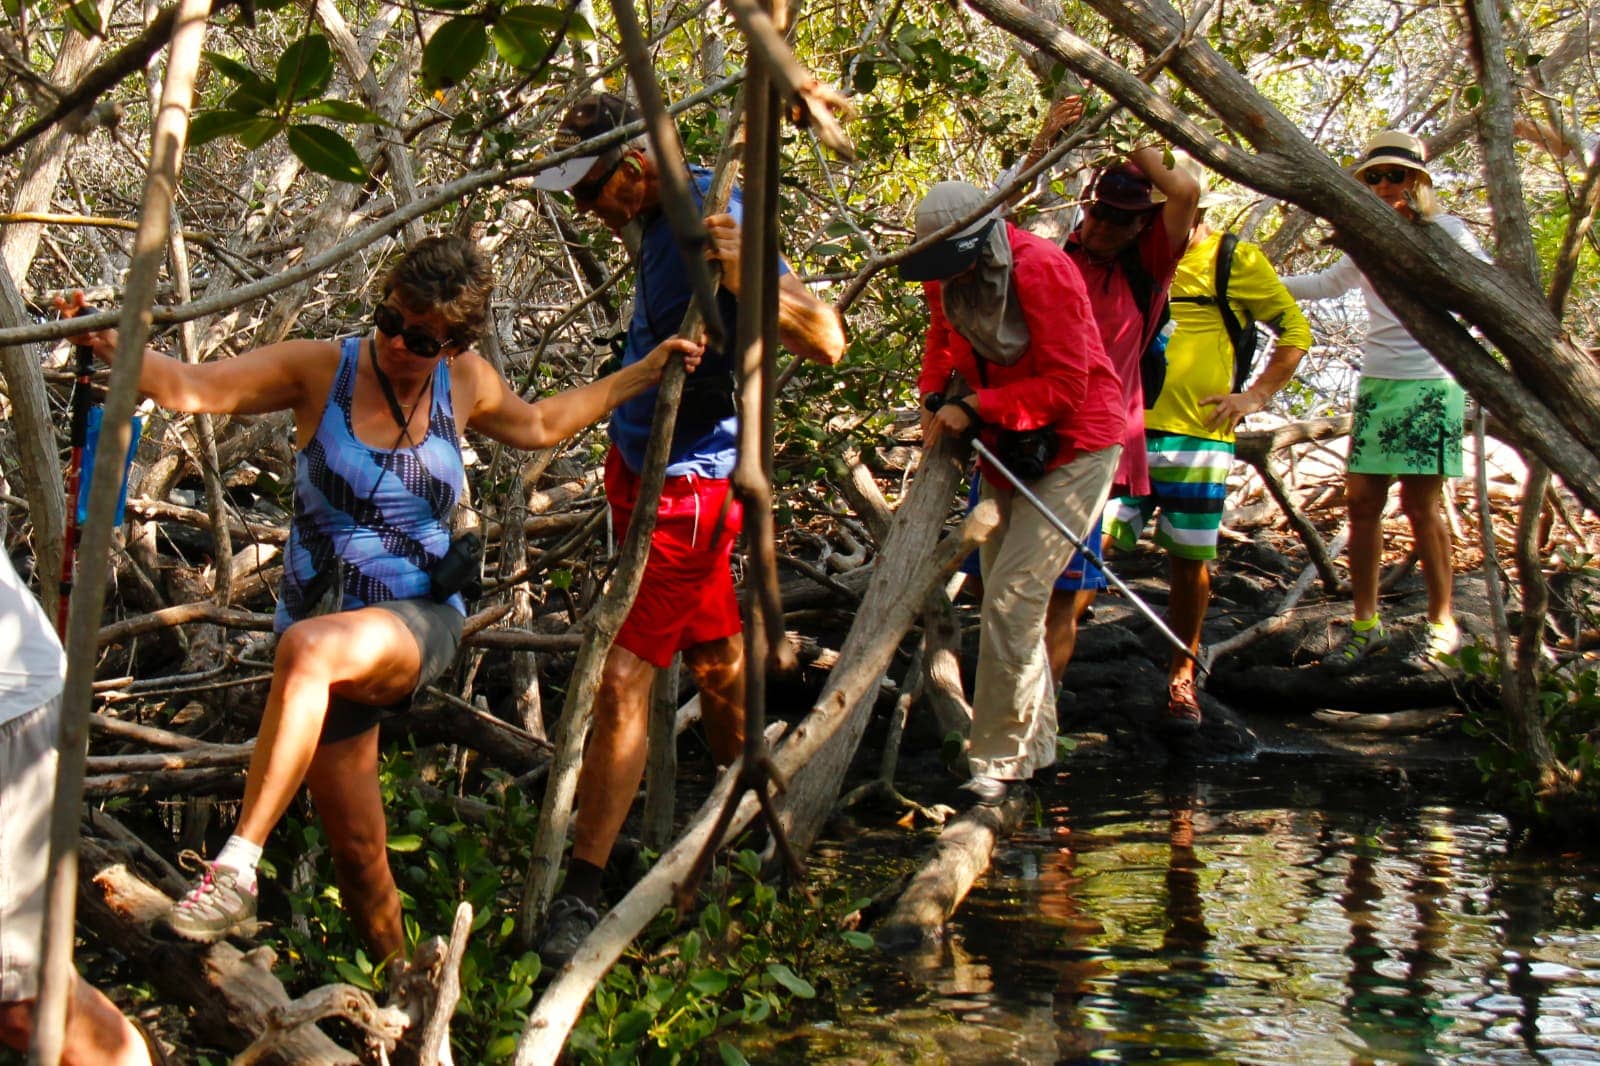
1063 380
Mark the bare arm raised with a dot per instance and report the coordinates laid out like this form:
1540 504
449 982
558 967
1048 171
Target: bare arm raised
278 377
807 327
499 413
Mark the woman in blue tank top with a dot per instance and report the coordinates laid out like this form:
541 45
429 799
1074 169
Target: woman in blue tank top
378 471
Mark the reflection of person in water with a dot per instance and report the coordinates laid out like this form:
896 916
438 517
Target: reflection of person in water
1395 1015
1187 935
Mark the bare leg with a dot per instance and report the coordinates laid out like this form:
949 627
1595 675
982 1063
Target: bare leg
1365 495
1186 611
717 667
366 655
613 763
1061 621
97 1032
343 779
1421 497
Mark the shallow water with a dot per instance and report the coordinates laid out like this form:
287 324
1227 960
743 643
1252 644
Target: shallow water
1281 911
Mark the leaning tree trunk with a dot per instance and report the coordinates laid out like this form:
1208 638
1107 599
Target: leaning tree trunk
171 129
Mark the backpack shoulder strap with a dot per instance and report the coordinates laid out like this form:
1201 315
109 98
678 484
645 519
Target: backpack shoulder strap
1225 251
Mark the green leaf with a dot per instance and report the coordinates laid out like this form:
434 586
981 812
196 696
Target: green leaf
453 51
259 132
631 1027
1473 94
501 1048
341 111
325 152
731 1056
84 17
304 69
351 974
207 126
710 982
405 842
858 940
690 949
524 35
254 92
786 977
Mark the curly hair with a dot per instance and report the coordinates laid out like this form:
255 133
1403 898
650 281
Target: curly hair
447 274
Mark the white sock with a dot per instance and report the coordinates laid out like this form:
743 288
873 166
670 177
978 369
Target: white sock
239 854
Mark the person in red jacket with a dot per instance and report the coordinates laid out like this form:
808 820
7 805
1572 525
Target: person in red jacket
1008 312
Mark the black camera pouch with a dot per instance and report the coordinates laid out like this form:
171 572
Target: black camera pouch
457 567
1027 453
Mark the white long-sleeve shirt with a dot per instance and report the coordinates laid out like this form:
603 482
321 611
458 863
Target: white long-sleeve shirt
1390 351
31 661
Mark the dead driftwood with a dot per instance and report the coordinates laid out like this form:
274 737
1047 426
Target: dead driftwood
1394 723
958 858
231 993
385 1025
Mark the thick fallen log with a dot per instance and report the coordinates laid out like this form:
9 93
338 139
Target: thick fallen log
209 781
1394 723
229 992
956 861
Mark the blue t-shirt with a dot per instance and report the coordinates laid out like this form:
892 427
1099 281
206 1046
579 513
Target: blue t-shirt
702 443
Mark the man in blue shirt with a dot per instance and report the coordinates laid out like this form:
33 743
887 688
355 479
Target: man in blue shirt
686 601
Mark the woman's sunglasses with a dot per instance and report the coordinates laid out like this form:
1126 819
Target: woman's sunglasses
418 341
589 189
1115 216
1394 176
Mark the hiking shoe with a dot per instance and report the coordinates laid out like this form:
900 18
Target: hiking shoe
569 923
990 791
1357 645
1183 707
1441 639
214 908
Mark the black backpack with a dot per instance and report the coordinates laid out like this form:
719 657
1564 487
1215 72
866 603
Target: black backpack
1245 335
1153 360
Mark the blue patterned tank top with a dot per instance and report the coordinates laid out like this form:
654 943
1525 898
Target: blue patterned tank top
387 513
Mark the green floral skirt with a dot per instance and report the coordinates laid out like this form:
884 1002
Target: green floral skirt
1407 427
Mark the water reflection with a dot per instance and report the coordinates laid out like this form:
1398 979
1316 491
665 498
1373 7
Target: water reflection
1272 913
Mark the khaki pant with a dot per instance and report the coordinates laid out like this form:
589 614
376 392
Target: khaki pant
27 791
1013 699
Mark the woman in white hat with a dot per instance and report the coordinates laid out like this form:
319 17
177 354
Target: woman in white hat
1408 416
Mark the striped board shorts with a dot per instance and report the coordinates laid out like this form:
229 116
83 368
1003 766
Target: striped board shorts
1188 486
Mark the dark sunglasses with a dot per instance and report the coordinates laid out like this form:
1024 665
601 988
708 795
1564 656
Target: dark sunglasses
589 189
1393 175
1115 216
418 341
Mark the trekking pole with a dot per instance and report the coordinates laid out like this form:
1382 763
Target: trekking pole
82 401
1088 553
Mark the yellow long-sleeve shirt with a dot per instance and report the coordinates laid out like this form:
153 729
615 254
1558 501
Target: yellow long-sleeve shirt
1200 354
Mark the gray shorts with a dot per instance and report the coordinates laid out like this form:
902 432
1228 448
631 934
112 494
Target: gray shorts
436 627
27 791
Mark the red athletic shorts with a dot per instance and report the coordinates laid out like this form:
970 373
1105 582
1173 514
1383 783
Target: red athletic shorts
687 596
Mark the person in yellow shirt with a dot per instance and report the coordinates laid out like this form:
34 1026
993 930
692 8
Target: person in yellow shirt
1189 428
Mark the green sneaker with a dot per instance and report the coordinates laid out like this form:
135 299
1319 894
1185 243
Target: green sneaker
1357 645
215 907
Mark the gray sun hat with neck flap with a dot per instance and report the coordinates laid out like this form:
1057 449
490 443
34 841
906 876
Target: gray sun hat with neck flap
945 203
